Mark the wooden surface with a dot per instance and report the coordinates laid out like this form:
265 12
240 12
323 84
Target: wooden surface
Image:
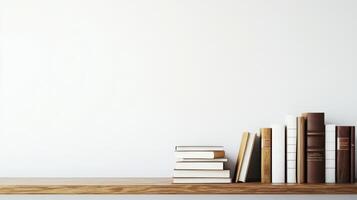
158 186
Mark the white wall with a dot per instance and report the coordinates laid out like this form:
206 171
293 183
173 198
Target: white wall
108 88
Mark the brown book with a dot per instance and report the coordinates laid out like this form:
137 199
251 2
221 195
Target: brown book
343 154
301 149
315 147
265 155
243 145
352 168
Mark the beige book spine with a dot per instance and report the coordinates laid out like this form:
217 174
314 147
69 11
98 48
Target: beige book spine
265 155
301 148
242 148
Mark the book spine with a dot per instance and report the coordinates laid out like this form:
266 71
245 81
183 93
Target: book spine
352 150
330 153
343 157
278 153
355 168
265 134
301 150
315 151
291 131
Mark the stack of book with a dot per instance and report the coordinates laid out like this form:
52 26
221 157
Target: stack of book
200 164
301 150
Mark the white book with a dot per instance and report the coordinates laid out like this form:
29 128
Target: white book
201 160
179 173
330 153
246 158
291 131
199 148
278 153
201 180
199 154
200 165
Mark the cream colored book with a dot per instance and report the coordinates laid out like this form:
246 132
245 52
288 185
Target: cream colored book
200 165
242 148
200 154
178 173
201 180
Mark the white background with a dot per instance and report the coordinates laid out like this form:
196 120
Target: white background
107 88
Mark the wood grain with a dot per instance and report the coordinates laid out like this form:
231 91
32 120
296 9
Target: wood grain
158 186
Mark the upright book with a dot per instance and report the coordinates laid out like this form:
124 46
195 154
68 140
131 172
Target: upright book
343 154
353 154
330 153
242 148
265 134
291 132
315 151
301 151
278 154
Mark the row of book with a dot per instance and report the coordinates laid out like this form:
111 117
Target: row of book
200 164
303 150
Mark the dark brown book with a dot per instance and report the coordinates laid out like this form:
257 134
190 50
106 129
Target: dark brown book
265 134
301 151
352 148
315 147
343 154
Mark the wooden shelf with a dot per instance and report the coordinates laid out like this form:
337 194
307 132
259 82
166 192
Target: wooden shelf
158 186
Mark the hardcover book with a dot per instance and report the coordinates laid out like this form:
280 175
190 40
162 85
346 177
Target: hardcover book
200 165
291 132
315 150
278 154
353 157
200 154
253 174
301 150
179 173
265 155
330 153
251 161
343 154
242 148
201 180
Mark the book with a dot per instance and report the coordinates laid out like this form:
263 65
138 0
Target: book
201 160
291 132
242 148
278 154
246 157
200 165
200 154
265 155
353 158
315 147
355 166
343 154
330 153
254 167
201 173
201 180
199 148
301 151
